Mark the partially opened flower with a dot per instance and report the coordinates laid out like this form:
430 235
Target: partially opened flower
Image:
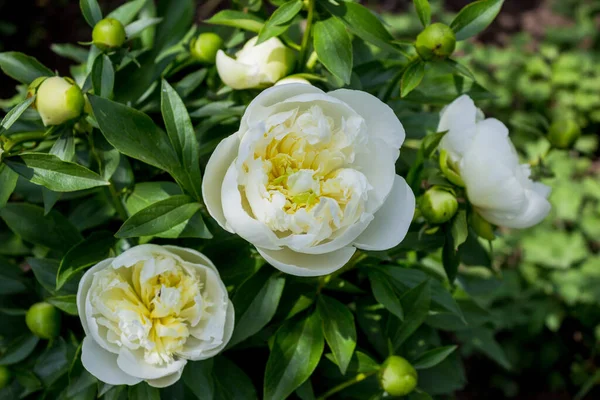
148 311
482 156
255 66
310 176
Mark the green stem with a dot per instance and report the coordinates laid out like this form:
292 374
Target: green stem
358 378
19 138
307 32
312 60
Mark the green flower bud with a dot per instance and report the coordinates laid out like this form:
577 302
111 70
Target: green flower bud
43 320
59 100
438 205
436 42
564 133
481 227
204 48
5 376
33 88
397 377
450 169
108 33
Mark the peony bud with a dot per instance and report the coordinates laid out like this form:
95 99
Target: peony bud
108 33
255 66
204 48
438 205
59 100
5 376
564 133
33 88
43 320
397 377
436 42
481 227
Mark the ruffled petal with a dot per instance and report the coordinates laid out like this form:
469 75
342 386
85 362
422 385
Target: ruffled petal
84 287
392 221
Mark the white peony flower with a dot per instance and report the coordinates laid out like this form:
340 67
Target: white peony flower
255 65
310 176
148 311
481 152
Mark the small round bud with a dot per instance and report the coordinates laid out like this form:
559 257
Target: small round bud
397 377
108 33
438 205
436 42
5 376
564 133
204 48
33 88
59 100
43 320
481 227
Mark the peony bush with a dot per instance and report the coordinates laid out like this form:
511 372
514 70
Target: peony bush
281 201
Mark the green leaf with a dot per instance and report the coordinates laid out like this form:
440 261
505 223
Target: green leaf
147 193
19 349
198 377
67 303
8 183
45 271
11 278
430 143
53 230
460 228
483 340
70 51
143 391
50 171
255 303
159 217
218 379
361 21
85 254
415 302
13 115
459 68
63 148
334 47
279 20
134 134
103 76
53 363
432 357
22 67
475 17
127 12
296 351
450 257
412 76
339 330
423 11
138 27
385 294
183 138
91 11
237 19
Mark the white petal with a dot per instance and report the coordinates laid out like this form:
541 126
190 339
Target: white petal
103 364
300 264
84 287
536 209
132 363
377 163
192 256
392 220
237 217
219 161
235 74
381 120
259 109
202 352
459 119
166 380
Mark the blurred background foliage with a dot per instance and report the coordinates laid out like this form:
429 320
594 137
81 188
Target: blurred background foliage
534 308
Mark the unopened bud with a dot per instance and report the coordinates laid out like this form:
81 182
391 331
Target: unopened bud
564 133
43 320
5 376
33 88
481 227
438 205
109 33
204 48
397 377
59 100
436 42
